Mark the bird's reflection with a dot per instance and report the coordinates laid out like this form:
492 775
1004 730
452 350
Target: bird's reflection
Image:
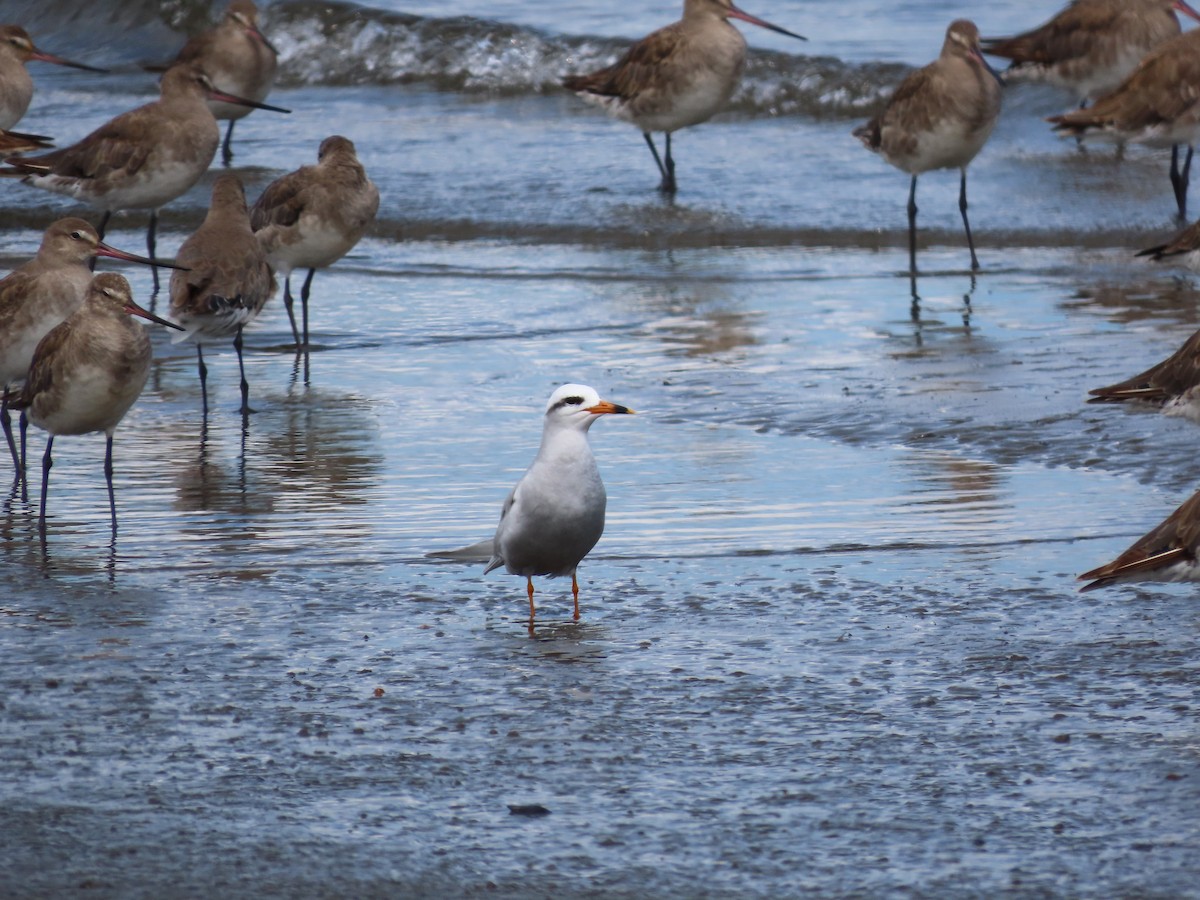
920 324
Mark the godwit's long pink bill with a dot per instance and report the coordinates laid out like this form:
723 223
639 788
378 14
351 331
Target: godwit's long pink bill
677 76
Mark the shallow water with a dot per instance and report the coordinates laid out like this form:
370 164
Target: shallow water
831 643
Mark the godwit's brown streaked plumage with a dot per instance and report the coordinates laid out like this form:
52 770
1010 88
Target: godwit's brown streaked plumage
1090 46
16 87
311 218
228 280
939 118
88 371
1183 249
1173 384
1167 554
678 76
1157 105
238 58
143 158
40 294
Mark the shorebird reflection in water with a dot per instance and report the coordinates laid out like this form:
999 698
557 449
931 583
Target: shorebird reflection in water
678 76
87 373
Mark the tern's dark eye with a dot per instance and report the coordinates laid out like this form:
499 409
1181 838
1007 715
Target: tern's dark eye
572 401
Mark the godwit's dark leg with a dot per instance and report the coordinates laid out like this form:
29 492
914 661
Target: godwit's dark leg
151 245
24 455
226 149
100 231
1180 177
6 423
962 208
288 300
47 465
203 369
237 345
669 181
304 290
108 477
662 170
912 226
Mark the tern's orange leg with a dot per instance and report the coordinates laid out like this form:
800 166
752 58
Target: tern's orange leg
529 588
575 594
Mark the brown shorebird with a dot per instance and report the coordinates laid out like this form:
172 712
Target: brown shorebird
1091 45
678 76
1173 384
1166 554
88 371
238 58
143 158
1156 105
939 118
555 515
16 87
1183 249
39 295
312 217
228 280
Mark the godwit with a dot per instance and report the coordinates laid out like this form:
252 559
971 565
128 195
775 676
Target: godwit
238 58
1091 45
16 87
1183 249
228 280
939 118
678 76
555 514
88 371
1166 554
1156 105
143 158
39 295
1173 384
312 217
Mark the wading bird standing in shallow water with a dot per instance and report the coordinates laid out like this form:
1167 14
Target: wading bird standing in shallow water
939 118
227 281
142 159
39 295
1091 45
555 514
1166 554
88 371
678 76
1155 106
238 58
311 218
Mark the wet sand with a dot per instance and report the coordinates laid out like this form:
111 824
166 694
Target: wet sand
831 642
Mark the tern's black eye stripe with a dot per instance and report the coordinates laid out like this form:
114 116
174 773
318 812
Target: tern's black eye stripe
569 401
